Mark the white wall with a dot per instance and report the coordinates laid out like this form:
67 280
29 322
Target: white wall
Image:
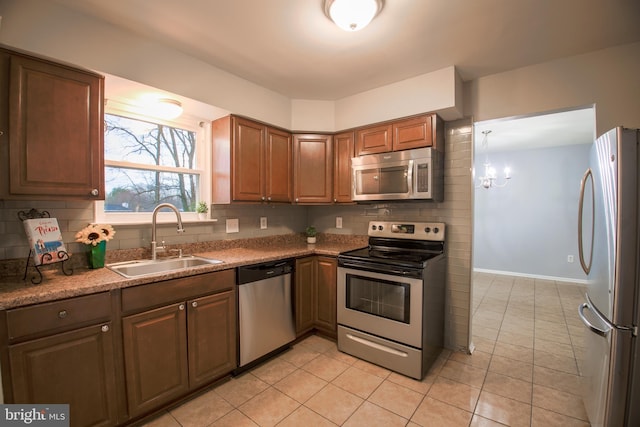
608 78
529 226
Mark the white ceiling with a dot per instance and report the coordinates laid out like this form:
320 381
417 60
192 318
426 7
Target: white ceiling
291 47
540 131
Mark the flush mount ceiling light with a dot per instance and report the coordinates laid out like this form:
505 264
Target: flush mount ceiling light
352 15
166 108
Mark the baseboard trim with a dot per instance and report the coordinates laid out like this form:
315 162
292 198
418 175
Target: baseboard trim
531 276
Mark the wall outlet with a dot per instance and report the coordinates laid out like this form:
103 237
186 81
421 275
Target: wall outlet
233 225
569 258
263 223
338 222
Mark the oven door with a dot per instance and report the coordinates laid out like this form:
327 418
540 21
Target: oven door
381 304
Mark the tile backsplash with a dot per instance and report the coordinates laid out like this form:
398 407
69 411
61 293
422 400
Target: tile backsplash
455 211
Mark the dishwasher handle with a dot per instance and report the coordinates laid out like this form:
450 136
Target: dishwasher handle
256 272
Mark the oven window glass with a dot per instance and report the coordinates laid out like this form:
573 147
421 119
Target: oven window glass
378 297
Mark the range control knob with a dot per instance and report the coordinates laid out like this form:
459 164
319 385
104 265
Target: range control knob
380 228
373 227
427 229
436 230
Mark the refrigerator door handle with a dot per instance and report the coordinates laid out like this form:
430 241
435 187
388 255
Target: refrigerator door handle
587 175
592 328
589 304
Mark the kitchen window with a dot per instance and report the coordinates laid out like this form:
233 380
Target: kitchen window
150 161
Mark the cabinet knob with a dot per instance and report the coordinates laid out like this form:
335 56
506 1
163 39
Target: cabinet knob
269 198
181 307
297 200
62 314
194 304
95 192
105 328
263 198
1 132
335 200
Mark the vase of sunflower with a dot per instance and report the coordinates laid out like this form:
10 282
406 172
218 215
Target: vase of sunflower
96 237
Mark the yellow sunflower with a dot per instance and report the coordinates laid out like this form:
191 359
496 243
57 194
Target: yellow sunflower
93 234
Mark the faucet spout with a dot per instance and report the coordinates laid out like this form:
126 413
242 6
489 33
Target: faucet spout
154 246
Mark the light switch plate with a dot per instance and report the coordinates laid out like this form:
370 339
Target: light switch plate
233 225
338 222
263 223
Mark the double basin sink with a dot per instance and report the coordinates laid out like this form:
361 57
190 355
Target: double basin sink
139 268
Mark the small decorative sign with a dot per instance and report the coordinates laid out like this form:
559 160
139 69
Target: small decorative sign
45 240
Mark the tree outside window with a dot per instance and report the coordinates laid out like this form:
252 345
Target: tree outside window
149 163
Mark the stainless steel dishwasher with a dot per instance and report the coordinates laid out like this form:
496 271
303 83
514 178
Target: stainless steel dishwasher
265 309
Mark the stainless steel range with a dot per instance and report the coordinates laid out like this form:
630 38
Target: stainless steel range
391 296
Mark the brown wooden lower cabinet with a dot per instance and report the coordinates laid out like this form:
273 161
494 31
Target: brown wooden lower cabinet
155 356
75 368
177 348
315 288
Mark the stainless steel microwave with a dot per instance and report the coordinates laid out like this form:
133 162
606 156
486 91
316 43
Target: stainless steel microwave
400 175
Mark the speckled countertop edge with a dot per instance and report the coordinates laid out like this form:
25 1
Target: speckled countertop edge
15 292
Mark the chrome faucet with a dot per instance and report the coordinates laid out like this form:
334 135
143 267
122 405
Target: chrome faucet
154 247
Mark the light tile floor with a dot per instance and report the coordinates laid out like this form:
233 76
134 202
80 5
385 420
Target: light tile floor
524 372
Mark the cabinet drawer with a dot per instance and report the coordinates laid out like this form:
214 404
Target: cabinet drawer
58 316
166 292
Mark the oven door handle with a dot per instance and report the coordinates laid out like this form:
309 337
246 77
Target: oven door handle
373 268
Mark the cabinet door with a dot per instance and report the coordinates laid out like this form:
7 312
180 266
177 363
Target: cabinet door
304 277
247 157
76 368
413 133
279 169
211 323
374 139
55 131
325 295
313 168
343 152
155 353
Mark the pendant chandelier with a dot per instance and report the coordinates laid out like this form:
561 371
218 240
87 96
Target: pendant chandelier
490 178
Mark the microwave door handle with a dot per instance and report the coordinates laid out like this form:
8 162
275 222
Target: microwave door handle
410 178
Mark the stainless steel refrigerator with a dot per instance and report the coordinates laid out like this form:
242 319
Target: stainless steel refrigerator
608 240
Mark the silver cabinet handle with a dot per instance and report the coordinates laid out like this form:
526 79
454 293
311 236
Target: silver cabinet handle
181 307
105 328
587 175
95 192
194 304
62 314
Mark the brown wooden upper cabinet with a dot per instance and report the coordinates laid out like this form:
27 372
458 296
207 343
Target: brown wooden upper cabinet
374 139
342 153
313 168
251 162
415 132
51 129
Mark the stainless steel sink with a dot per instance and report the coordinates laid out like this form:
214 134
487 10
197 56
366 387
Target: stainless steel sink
132 269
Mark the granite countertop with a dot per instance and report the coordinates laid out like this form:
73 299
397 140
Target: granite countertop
15 292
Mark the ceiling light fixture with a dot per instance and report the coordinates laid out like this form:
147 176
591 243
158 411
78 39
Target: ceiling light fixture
166 108
352 15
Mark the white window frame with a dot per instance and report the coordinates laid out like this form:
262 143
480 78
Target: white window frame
202 128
